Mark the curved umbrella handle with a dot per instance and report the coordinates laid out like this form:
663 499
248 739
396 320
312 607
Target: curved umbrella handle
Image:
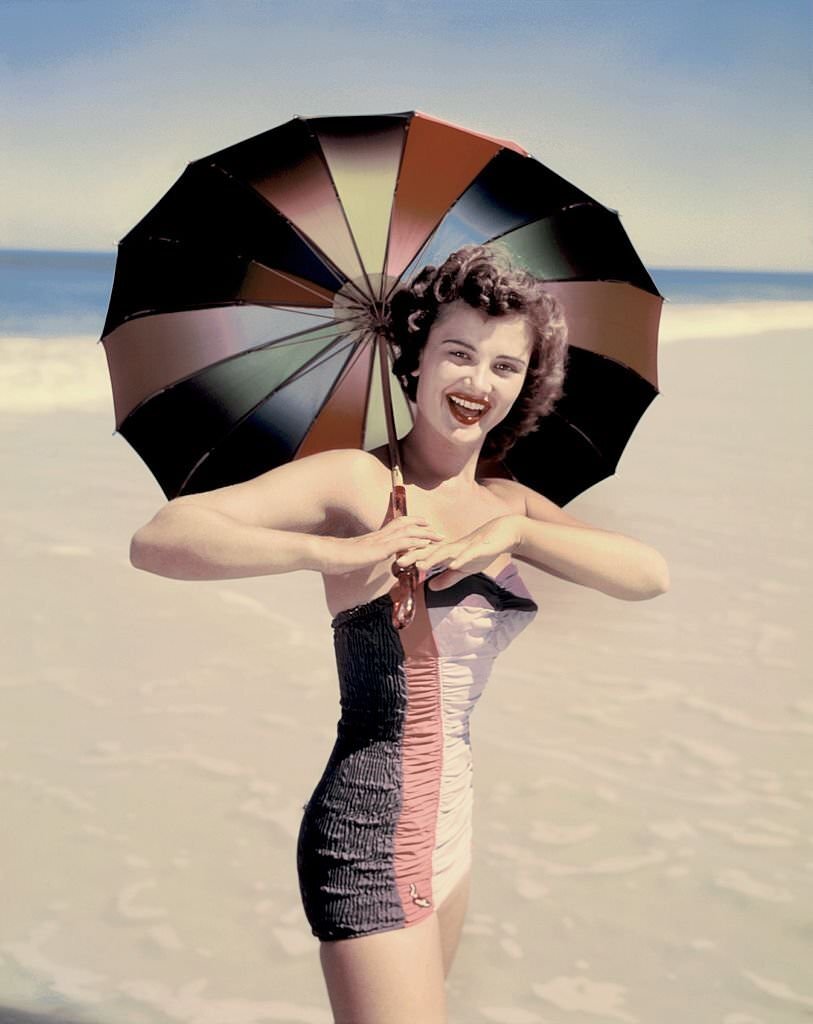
407 575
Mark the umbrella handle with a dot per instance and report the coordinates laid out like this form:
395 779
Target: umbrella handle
403 610
407 575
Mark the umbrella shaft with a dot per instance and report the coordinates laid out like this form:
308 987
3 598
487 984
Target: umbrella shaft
399 494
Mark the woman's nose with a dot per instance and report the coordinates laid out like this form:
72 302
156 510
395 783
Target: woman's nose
479 381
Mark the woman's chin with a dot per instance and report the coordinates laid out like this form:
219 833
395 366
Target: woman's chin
468 430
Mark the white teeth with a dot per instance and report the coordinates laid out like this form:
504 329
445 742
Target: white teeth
467 405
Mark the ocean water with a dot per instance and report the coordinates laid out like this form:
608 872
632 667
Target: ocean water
53 306
713 286
54 294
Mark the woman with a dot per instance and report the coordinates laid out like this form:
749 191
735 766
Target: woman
384 849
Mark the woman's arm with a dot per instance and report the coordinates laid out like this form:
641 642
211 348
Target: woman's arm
271 524
611 562
559 543
190 542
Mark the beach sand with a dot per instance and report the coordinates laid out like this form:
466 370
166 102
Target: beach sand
643 772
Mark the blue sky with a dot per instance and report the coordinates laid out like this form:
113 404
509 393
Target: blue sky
692 119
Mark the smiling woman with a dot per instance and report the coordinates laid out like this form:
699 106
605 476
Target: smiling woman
477 296
384 848
468 382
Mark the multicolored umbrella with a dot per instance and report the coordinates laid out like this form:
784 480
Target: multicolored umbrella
245 325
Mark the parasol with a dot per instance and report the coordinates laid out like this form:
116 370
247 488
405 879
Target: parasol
247 320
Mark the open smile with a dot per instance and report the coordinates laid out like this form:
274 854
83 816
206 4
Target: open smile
466 411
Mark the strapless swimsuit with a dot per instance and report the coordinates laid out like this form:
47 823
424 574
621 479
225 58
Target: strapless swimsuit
387 832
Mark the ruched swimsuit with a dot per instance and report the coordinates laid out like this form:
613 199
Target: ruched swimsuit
387 832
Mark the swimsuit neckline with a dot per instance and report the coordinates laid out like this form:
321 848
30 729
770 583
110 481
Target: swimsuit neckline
384 599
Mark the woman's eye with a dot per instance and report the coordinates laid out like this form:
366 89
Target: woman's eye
466 354
508 366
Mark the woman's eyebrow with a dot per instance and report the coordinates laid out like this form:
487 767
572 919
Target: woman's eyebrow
468 344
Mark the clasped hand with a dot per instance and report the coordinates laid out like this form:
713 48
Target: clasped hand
470 554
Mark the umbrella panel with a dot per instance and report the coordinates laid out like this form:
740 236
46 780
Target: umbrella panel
287 168
290 227
601 399
510 191
363 155
209 416
584 242
198 244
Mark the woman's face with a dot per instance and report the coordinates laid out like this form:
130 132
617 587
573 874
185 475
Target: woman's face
477 357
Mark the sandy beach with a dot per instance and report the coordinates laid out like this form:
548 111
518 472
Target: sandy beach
643 770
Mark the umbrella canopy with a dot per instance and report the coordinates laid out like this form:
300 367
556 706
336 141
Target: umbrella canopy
243 326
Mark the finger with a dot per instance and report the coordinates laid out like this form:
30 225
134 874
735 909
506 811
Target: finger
407 557
452 572
419 529
443 580
423 545
415 548
417 544
421 557
405 554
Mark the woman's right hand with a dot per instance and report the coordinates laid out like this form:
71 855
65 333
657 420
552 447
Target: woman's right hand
401 534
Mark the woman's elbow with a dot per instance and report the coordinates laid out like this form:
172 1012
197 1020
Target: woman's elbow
652 582
139 552
659 581
146 554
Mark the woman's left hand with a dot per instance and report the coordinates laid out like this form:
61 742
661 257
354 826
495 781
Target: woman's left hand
472 553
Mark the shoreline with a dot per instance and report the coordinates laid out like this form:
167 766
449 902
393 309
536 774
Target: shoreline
38 373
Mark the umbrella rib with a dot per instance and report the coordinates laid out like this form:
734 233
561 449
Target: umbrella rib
595 206
300 283
312 364
351 362
202 307
583 436
438 225
406 127
306 240
323 158
288 339
303 310
615 359
367 335
493 238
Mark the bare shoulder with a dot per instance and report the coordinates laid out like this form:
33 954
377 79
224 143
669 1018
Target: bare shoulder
527 502
507 492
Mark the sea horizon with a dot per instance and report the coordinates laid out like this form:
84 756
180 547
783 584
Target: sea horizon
50 293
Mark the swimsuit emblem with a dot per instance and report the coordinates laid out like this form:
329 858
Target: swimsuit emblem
421 901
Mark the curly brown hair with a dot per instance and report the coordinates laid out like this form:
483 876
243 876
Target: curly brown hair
485 277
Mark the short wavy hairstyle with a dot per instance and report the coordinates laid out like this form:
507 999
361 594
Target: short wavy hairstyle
486 279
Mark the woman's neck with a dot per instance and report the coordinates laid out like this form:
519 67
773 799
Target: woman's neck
433 463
